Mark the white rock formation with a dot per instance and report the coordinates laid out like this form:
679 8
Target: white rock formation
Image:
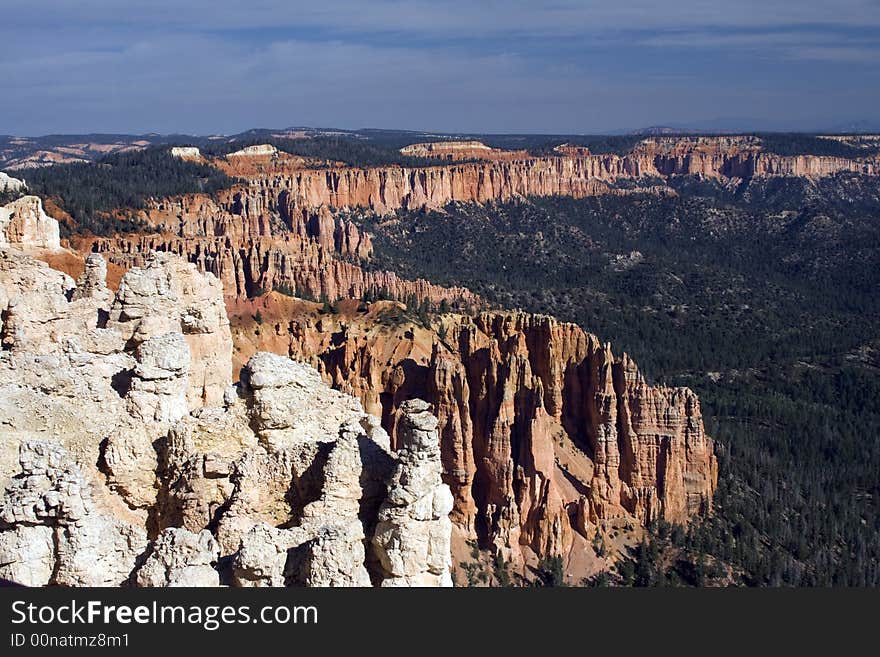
186 152
412 537
10 184
180 558
169 295
93 282
51 499
280 478
258 150
62 377
25 225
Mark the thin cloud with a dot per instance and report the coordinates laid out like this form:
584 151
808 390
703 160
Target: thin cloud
461 17
221 66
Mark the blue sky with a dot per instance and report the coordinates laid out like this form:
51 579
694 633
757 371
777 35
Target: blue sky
208 66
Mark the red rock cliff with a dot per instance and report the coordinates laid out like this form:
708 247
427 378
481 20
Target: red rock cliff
544 432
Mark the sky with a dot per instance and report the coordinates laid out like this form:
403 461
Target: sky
220 66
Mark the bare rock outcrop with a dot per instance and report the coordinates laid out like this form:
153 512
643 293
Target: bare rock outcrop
257 150
286 228
10 184
53 531
58 366
121 481
181 558
460 150
24 224
412 536
93 282
292 264
543 432
186 153
168 295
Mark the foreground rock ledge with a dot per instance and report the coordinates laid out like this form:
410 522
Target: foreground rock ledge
128 458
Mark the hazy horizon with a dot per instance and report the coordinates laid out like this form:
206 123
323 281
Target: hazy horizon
156 66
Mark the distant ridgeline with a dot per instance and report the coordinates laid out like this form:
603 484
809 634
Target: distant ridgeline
100 197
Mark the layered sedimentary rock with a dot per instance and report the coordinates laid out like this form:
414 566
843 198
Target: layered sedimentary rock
134 467
263 235
736 157
23 223
544 433
292 264
168 295
572 172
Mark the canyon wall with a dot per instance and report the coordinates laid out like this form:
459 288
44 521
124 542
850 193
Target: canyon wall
263 234
290 263
545 434
576 172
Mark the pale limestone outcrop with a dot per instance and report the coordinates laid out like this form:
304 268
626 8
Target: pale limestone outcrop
89 546
169 295
257 150
155 399
186 152
290 404
93 282
123 458
25 225
461 150
196 463
181 558
264 554
27 555
412 535
61 374
36 312
157 392
10 184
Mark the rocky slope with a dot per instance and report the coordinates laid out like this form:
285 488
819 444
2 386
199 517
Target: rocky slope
261 234
24 223
139 463
546 436
290 263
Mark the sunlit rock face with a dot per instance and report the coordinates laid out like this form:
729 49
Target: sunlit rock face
130 458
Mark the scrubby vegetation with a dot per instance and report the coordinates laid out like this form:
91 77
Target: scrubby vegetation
349 150
100 196
803 144
8 195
